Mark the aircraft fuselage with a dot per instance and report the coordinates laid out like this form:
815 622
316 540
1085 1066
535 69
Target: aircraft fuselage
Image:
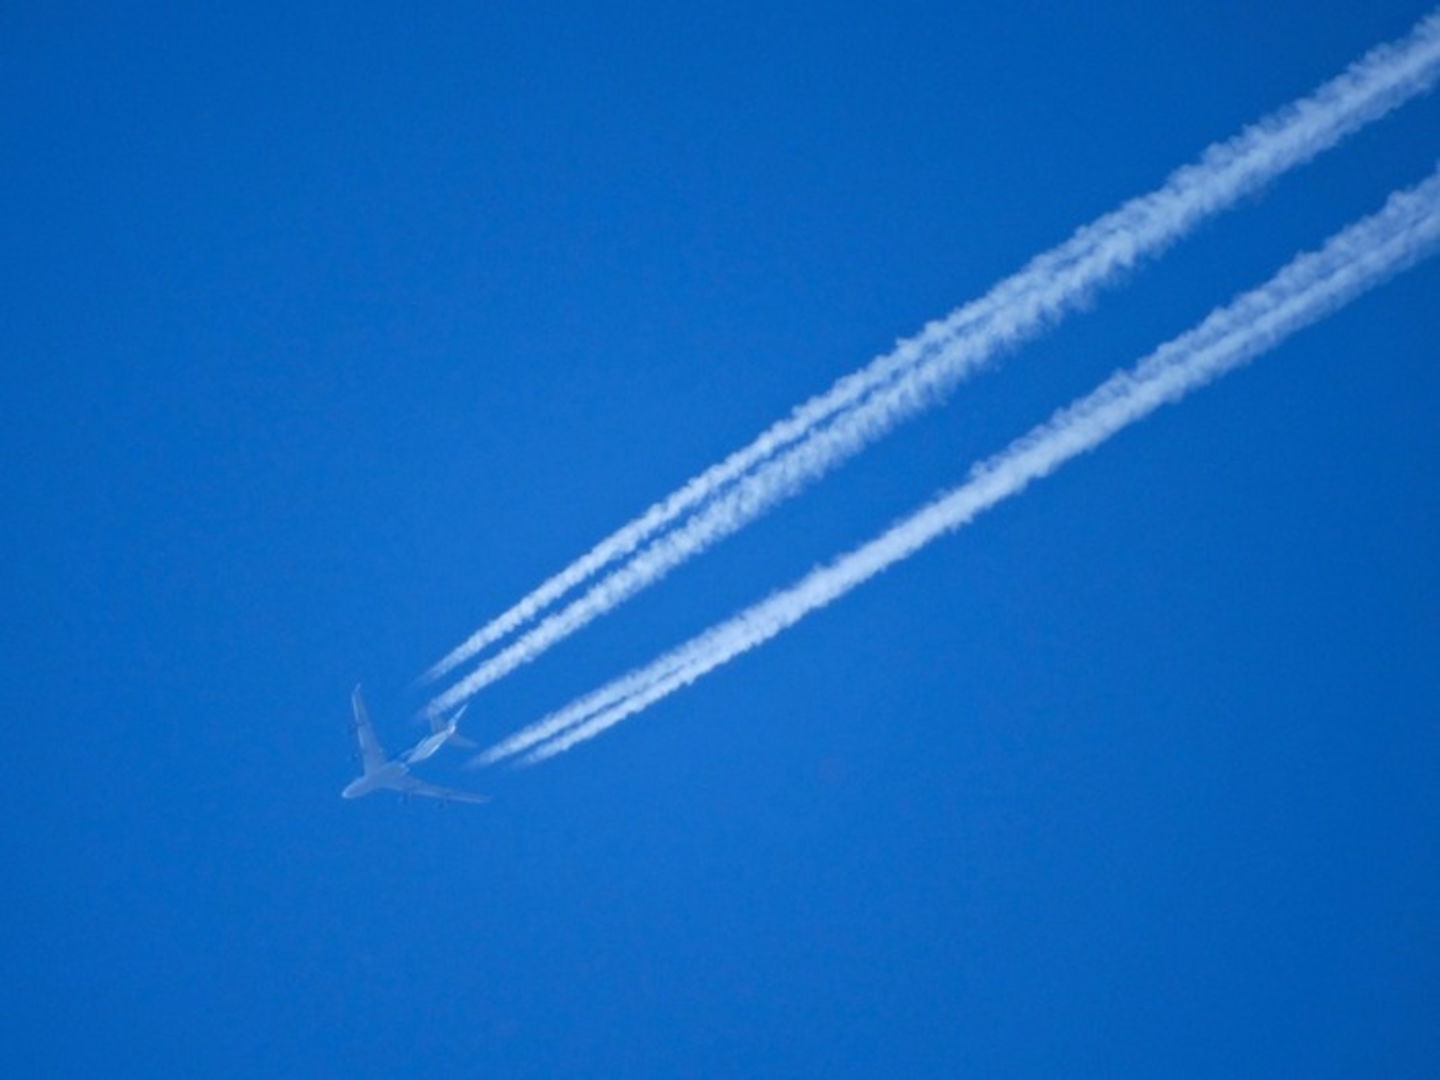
384 777
427 746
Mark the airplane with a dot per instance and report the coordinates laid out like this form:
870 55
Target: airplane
441 733
392 774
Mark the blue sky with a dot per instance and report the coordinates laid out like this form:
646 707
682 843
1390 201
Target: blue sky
334 328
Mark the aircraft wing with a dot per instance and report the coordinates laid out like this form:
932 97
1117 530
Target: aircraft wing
372 754
412 786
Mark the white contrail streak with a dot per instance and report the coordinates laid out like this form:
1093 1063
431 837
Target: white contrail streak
1306 290
863 406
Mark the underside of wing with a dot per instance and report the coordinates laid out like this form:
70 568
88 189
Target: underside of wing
411 786
372 754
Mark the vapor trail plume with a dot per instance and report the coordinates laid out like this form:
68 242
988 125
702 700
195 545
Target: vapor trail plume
861 407
1310 287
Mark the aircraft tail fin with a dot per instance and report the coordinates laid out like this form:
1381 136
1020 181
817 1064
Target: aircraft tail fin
438 725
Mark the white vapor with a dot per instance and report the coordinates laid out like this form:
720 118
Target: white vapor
861 407
1310 287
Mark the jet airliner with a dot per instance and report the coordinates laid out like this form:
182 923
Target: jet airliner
383 773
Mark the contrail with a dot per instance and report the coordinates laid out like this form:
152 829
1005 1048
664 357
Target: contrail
863 406
1310 287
